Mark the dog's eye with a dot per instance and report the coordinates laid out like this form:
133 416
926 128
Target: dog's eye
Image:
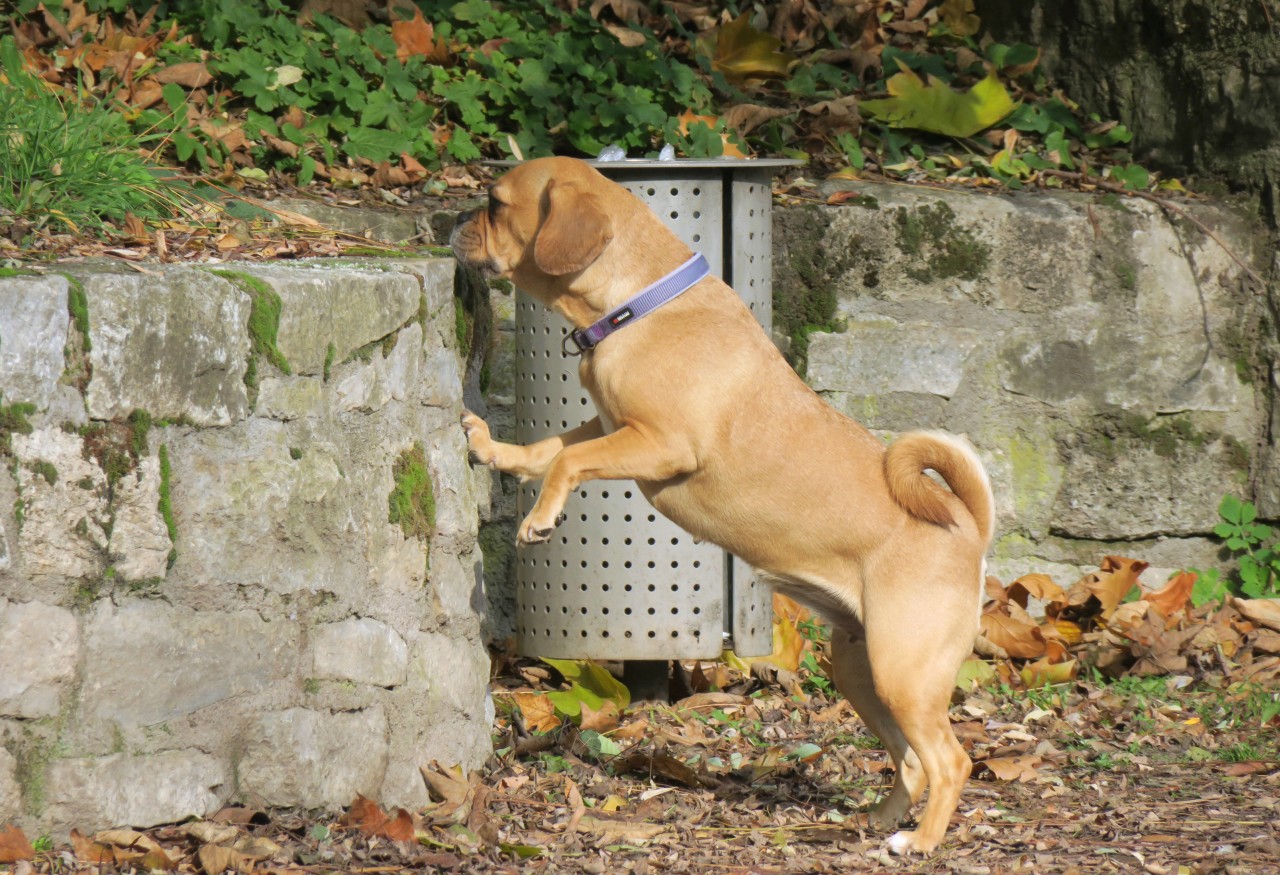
494 204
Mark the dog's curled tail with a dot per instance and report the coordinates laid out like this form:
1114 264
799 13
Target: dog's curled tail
958 464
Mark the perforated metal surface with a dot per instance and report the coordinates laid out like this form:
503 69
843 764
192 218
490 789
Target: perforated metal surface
618 580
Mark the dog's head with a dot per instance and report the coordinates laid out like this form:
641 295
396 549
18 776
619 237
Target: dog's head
546 219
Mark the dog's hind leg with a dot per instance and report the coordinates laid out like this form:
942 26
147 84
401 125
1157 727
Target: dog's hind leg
919 630
851 671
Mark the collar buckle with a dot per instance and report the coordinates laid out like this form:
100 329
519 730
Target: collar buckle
579 339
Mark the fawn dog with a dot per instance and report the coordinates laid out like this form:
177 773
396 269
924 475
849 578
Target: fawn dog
697 406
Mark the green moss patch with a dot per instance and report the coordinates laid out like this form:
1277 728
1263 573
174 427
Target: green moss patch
264 319
117 446
412 502
804 295
940 247
13 420
78 368
166 502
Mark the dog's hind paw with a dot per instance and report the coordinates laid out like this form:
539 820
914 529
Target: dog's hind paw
908 841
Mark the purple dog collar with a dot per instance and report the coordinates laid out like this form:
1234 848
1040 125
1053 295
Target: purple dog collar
645 302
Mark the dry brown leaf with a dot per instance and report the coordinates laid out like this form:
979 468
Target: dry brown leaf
446 784
994 589
538 711
658 766
1174 596
145 92
1020 768
216 859
1109 584
1039 586
632 39
89 851
417 37
689 118
708 702
1267 641
603 720
1014 632
1046 671
1264 611
211 833
369 818
626 10
191 74
609 831
746 117
14 845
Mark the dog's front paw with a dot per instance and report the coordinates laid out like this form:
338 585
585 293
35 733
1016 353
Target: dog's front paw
535 529
479 444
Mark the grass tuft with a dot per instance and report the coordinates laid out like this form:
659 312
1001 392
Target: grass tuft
76 168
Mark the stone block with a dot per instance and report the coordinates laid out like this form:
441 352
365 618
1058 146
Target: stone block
878 358
139 545
462 689
289 398
1103 360
5 560
436 278
10 790
361 650
148 662
301 757
264 517
65 509
33 335
370 387
39 647
90 794
1127 485
173 342
327 313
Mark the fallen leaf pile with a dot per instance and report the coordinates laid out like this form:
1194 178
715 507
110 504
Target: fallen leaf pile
1110 621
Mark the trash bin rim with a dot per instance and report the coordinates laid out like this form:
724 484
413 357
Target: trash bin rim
674 164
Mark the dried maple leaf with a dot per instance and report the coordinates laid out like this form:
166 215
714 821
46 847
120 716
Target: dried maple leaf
417 37
1174 596
1020 768
1109 584
14 845
1014 632
538 711
89 851
1039 586
191 74
368 817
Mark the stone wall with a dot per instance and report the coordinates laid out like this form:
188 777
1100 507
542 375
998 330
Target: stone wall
1114 366
238 552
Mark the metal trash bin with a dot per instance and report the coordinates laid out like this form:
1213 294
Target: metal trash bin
618 581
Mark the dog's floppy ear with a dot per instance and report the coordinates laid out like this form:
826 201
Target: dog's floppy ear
575 231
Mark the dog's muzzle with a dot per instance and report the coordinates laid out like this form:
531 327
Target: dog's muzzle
465 239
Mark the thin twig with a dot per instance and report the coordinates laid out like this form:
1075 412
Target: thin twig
1163 203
